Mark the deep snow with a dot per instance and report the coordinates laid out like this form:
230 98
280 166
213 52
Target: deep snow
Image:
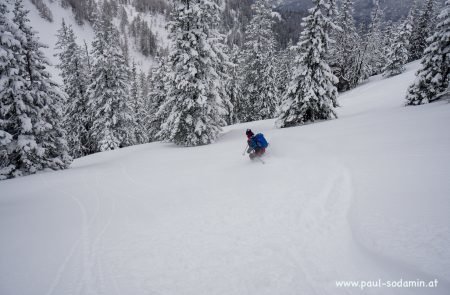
363 197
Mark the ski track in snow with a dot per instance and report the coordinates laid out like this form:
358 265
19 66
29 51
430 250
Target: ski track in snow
158 219
317 217
91 279
323 206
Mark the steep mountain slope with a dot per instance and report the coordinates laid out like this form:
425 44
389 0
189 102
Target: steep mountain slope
47 31
237 14
293 11
393 8
364 197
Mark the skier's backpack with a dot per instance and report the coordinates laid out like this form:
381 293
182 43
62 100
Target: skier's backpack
261 141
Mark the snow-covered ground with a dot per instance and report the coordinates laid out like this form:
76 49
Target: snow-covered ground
364 197
47 33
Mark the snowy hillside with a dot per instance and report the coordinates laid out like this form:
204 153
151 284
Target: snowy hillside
47 31
364 197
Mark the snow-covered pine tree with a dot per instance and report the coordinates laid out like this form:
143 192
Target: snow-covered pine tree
422 29
345 49
397 55
389 31
159 84
414 13
374 52
144 86
284 63
235 16
227 89
144 93
91 11
370 60
123 17
46 96
311 94
73 72
62 39
43 9
193 112
362 70
232 86
433 76
13 112
125 50
108 92
258 66
134 99
138 107
31 103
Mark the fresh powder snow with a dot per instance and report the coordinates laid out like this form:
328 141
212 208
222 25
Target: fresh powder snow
362 197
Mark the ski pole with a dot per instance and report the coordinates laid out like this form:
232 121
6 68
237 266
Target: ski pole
245 150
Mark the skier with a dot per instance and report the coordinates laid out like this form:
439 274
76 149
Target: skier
257 144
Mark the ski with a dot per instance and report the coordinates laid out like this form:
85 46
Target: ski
261 160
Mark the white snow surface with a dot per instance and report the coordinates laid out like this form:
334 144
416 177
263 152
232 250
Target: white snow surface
363 197
47 31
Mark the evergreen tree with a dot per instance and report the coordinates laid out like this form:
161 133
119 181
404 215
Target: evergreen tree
236 16
397 55
344 52
144 87
125 50
374 53
228 87
144 96
144 38
311 94
73 72
414 13
31 134
194 109
159 85
43 9
137 102
233 88
363 69
389 33
421 31
46 95
87 61
433 76
258 66
108 92
13 112
123 16
370 57
283 72
91 11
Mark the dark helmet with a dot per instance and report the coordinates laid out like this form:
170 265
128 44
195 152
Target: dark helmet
249 133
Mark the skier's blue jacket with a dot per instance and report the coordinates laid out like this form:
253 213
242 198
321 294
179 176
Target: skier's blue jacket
258 142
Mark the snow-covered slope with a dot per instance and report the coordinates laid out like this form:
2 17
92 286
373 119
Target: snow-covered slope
364 197
47 32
